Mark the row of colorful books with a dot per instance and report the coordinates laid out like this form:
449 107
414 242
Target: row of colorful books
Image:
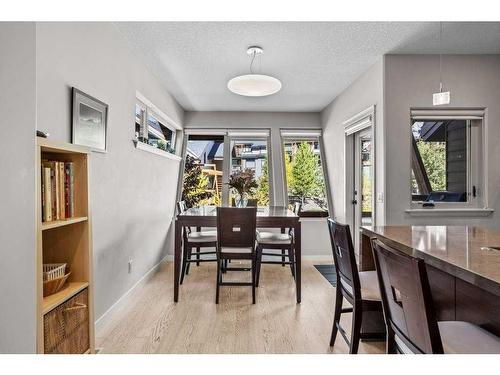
58 202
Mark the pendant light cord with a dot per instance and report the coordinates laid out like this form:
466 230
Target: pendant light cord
440 56
251 62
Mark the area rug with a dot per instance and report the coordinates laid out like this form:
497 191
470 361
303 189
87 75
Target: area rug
328 272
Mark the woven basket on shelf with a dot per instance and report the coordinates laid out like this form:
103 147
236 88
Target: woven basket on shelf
54 278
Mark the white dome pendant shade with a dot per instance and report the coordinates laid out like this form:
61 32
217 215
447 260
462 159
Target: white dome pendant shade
254 85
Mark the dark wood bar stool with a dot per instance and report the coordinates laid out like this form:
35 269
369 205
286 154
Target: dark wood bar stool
236 240
360 289
412 327
196 240
277 241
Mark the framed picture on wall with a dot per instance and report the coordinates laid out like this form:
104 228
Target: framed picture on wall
89 121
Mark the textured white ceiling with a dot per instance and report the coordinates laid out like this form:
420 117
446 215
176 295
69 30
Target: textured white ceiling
315 61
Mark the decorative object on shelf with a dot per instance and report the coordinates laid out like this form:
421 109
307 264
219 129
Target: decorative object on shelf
243 182
42 134
54 278
252 84
89 121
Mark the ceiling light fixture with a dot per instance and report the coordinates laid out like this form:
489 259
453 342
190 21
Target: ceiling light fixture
254 85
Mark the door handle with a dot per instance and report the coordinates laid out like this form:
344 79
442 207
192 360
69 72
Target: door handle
354 201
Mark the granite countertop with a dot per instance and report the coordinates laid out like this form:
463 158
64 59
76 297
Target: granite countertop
468 252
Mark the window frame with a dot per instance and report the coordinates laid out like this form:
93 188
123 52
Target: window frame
476 156
311 135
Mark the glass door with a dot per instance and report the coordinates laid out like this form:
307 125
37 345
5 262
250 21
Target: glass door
362 201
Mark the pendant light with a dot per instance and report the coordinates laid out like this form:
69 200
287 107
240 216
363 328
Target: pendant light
254 85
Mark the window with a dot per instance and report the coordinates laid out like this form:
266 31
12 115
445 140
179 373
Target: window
152 129
203 170
251 154
446 160
305 178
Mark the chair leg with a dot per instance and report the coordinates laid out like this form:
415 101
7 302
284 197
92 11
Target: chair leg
258 265
291 258
184 264
357 315
254 266
218 281
336 317
198 249
189 252
283 257
391 343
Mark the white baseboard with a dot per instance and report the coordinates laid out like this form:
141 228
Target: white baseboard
101 321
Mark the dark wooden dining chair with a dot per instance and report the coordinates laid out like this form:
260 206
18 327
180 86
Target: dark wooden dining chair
409 312
196 240
360 289
236 240
277 241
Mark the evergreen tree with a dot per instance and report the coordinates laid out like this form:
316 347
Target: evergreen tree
304 171
194 191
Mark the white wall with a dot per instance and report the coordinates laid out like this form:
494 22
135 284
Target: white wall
132 191
410 80
315 240
366 91
17 188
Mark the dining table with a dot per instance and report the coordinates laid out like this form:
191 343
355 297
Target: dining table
277 217
462 263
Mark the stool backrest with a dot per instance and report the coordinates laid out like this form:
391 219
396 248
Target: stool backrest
407 300
236 227
345 260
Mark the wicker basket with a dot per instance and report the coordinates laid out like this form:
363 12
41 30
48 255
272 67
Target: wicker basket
55 285
54 277
53 271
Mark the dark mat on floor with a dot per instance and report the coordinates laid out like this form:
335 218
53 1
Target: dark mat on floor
328 272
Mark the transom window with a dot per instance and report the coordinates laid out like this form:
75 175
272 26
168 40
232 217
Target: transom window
152 129
446 168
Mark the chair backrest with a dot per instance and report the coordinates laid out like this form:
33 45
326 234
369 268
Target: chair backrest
236 227
252 202
407 300
345 260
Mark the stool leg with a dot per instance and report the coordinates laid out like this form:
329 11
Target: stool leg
198 249
357 315
336 317
189 253
283 258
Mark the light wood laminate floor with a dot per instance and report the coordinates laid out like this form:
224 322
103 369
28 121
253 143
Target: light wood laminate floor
150 322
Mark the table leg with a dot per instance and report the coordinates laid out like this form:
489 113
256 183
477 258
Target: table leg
298 259
177 258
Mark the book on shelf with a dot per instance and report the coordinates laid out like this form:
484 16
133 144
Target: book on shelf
57 190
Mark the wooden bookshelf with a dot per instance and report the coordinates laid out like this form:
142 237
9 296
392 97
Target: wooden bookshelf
66 241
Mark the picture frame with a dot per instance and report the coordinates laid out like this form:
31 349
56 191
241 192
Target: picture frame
89 121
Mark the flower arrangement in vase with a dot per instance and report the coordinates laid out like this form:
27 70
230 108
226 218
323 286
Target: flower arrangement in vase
243 182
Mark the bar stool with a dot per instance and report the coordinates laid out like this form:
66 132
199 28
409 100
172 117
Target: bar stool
236 240
412 327
195 240
277 241
360 289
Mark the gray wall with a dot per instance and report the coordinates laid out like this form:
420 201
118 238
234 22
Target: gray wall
17 188
315 241
132 191
410 80
366 91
